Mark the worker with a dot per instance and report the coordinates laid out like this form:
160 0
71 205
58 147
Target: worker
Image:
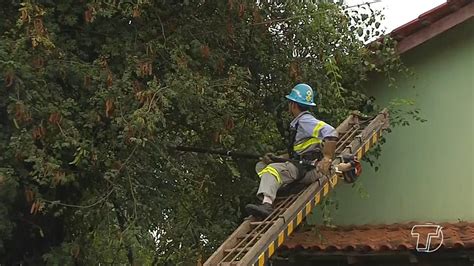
310 139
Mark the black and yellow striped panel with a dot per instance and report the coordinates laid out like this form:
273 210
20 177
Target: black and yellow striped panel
294 222
308 207
364 148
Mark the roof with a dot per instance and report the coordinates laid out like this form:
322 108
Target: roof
379 238
432 23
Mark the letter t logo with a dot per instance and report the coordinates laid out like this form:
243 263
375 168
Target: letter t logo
424 233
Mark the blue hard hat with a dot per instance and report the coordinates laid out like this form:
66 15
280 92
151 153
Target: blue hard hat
302 94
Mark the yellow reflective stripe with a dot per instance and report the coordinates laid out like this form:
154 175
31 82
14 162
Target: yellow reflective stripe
313 140
317 128
306 144
271 171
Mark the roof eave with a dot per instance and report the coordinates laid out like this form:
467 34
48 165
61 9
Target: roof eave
432 28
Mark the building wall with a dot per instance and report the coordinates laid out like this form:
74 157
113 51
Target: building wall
427 169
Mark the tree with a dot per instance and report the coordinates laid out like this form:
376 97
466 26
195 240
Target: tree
94 91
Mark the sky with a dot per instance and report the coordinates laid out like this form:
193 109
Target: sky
399 12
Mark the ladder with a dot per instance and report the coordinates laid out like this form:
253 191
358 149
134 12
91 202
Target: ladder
254 242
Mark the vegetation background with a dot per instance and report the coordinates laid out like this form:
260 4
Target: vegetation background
93 92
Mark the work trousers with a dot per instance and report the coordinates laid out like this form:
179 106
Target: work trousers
276 175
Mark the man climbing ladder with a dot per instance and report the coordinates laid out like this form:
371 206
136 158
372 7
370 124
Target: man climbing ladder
311 140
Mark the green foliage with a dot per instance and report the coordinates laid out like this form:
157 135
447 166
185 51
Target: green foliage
404 110
93 92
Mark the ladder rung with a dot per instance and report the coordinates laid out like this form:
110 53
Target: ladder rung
280 198
250 236
259 223
236 250
229 263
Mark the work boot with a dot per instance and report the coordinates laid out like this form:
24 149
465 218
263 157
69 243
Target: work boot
261 210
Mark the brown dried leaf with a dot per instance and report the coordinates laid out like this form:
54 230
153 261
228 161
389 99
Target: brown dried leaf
256 16
103 62
75 250
110 79
9 78
29 195
182 62
87 81
24 17
136 12
145 68
229 123
38 25
89 15
38 62
149 68
137 87
54 118
39 132
33 208
58 177
109 107
241 10
117 165
21 115
217 137
294 70
230 28
220 66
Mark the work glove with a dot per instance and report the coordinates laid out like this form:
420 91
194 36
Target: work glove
266 159
324 166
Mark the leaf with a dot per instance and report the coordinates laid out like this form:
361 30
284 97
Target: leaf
33 208
109 107
16 123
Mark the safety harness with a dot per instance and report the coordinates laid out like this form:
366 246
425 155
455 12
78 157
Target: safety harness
307 159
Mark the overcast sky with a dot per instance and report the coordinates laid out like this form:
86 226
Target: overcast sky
399 12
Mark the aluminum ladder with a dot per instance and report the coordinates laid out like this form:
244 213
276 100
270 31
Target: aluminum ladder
254 242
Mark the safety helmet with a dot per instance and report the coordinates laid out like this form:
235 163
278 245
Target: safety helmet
302 94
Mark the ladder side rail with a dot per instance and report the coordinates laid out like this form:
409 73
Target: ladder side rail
371 134
379 122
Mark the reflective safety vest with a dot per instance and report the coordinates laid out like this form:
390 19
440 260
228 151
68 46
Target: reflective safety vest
307 133
314 139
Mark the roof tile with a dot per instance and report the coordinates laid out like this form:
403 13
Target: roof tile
374 238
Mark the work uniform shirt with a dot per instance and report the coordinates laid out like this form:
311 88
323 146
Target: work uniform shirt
309 135
310 132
